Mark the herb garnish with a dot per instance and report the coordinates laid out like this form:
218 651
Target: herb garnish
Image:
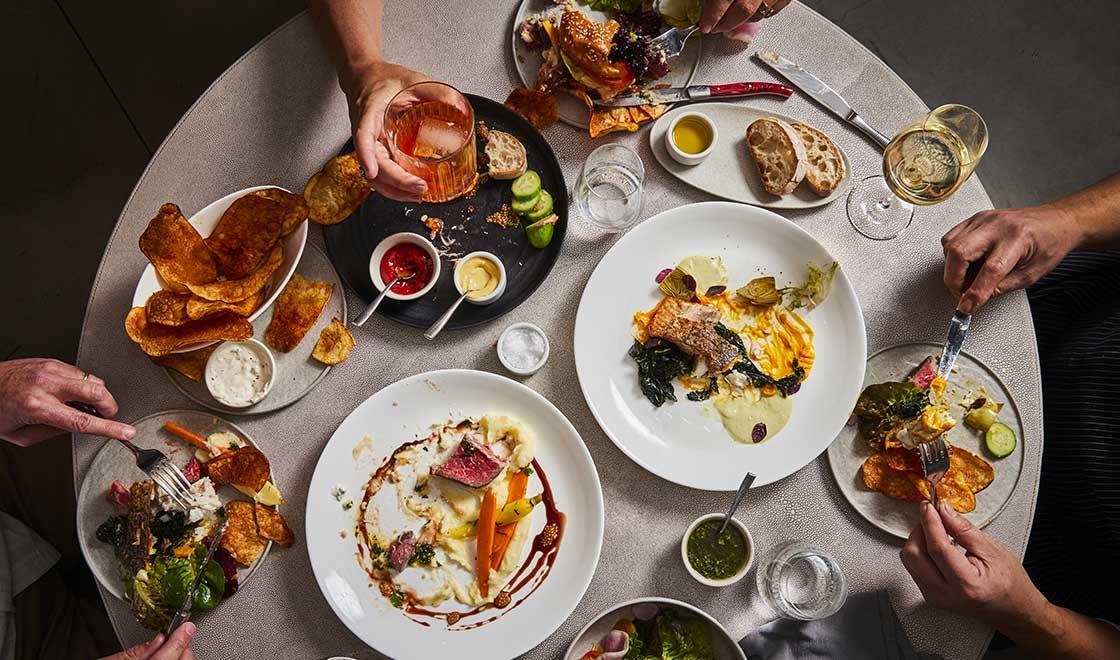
423 555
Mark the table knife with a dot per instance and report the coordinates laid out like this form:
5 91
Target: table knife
958 328
184 612
817 90
697 93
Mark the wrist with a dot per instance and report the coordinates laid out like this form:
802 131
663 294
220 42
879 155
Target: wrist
359 73
1040 621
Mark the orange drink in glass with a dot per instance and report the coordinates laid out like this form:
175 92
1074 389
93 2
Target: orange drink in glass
430 130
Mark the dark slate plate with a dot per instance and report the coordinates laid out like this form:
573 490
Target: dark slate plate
350 243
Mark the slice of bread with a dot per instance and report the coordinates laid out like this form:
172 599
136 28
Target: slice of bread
826 164
778 153
506 155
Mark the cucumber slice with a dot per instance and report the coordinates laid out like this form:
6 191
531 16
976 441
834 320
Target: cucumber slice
542 209
1000 440
527 185
523 206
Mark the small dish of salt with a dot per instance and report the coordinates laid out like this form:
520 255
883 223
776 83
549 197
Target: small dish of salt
523 348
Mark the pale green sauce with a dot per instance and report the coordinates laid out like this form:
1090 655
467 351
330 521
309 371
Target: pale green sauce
740 415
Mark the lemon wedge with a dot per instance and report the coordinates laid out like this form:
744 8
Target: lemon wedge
269 495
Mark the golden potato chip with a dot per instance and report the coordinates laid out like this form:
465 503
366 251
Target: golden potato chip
337 190
199 308
176 250
191 364
167 308
245 467
951 489
245 234
299 304
271 525
157 340
903 460
609 120
878 476
335 343
541 109
642 113
976 473
232 291
294 206
241 538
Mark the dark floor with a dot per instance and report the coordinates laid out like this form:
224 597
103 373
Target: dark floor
94 87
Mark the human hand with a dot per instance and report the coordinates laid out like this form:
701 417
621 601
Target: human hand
177 647
368 92
985 582
1007 249
725 15
33 396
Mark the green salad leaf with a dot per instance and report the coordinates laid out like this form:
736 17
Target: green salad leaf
147 602
658 364
622 6
884 407
680 13
684 639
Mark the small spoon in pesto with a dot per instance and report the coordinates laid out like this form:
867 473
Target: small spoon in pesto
739 495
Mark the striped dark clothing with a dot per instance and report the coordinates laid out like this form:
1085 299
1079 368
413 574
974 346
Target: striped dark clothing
1076 535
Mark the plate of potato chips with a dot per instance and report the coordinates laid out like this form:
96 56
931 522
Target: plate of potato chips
210 276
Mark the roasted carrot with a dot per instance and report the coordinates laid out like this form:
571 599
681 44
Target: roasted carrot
485 542
189 436
503 534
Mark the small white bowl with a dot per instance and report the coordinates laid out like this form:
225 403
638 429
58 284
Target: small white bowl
393 241
683 157
493 295
505 362
747 565
261 351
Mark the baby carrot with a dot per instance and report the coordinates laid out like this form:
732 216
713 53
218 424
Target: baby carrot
485 542
504 533
189 436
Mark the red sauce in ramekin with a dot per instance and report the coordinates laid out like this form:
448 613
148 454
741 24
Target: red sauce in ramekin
411 256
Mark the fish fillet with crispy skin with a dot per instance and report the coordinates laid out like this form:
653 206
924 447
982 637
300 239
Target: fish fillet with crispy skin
692 326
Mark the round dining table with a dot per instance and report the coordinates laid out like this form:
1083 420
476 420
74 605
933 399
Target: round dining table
277 115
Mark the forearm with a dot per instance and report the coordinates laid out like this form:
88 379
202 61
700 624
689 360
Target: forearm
1056 632
352 31
1093 214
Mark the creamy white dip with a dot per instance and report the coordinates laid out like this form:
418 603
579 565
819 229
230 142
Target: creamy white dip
237 375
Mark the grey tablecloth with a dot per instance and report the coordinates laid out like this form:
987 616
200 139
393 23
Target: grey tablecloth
277 115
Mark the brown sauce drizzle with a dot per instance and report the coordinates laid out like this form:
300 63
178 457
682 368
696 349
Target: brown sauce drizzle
524 582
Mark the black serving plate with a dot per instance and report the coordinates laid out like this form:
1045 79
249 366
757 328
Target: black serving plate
350 243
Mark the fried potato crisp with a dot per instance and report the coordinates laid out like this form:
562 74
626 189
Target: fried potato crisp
191 364
335 343
232 291
879 476
176 250
271 525
903 460
167 308
897 473
541 109
157 340
299 304
975 472
199 308
951 489
294 208
337 190
245 468
241 539
246 233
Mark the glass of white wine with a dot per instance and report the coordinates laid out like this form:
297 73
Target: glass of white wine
924 164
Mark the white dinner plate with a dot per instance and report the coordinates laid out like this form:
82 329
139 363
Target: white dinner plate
205 221
685 442
729 171
116 463
573 111
970 376
405 411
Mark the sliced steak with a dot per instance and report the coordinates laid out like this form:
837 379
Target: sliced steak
401 550
118 496
471 464
924 374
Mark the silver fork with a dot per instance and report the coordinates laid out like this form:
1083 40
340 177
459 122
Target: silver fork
935 463
671 42
163 471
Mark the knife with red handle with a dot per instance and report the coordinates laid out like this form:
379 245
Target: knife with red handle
697 93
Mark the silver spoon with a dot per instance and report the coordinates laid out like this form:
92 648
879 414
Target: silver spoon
431 332
739 495
403 274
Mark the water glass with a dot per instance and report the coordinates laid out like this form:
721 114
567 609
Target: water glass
799 581
609 190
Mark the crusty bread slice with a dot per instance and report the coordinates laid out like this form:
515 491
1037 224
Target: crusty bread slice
779 154
826 164
506 155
